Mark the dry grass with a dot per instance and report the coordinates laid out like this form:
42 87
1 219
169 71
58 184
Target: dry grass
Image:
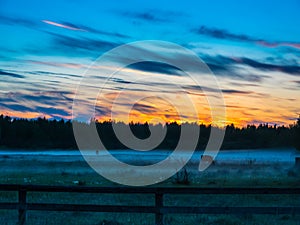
32 171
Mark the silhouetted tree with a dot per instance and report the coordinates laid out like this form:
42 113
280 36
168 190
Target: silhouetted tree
53 134
296 134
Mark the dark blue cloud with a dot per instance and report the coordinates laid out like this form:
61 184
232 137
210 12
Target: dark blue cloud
143 108
17 21
223 34
119 80
219 64
290 69
146 16
39 72
197 88
172 116
49 103
34 24
227 35
94 30
15 107
52 111
3 73
153 15
102 111
233 91
156 67
67 43
48 97
239 84
39 98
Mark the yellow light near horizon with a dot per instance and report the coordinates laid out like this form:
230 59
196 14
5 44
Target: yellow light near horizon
25 115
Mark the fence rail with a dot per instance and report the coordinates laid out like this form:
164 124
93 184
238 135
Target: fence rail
158 193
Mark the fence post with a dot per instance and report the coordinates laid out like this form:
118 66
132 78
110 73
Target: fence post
22 206
297 161
158 204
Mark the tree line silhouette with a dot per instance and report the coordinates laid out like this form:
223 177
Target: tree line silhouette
58 134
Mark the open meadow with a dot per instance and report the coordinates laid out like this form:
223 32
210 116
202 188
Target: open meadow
245 169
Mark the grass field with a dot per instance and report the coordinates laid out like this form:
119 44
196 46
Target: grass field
64 171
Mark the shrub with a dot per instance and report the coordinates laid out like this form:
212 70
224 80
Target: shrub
109 222
182 177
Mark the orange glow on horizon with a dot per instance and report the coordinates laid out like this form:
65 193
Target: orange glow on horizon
30 115
241 111
151 119
24 115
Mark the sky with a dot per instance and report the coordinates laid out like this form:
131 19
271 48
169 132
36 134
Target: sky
252 49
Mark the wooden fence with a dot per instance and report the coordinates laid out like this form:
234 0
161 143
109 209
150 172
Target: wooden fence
158 194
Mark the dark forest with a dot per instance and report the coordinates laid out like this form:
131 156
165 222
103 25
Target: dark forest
58 134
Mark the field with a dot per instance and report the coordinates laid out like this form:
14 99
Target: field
61 169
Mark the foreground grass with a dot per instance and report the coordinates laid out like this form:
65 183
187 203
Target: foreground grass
78 173
63 218
219 177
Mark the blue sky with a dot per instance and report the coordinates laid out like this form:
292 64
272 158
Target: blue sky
253 47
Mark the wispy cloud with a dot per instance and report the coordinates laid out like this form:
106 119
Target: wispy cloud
50 103
96 31
17 21
153 16
102 111
70 27
156 67
224 63
197 88
278 44
289 69
223 34
64 43
58 64
83 28
3 73
220 65
143 108
297 82
227 35
15 107
35 24
120 81
52 111
146 16
233 91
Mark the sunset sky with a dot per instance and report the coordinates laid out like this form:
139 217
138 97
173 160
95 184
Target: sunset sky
252 47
